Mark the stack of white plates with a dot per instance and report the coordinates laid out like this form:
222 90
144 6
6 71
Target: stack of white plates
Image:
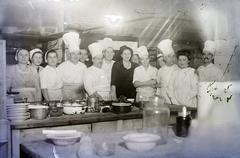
18 112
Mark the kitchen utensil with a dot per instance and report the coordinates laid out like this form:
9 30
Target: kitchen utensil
75 108
93 103
17 112
64 139
141 142
121 107
38 112
55 109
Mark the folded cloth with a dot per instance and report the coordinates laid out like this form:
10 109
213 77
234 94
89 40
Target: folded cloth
62 132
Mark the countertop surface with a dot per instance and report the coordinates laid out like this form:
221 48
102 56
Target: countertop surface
86 118
44 148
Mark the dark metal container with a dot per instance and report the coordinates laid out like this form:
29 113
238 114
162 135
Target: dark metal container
121 107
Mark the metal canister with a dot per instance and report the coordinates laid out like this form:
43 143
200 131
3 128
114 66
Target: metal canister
92 103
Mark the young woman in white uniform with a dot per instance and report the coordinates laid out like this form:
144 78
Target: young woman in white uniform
51 83
36 58
144 77
185 81
96 81
23 78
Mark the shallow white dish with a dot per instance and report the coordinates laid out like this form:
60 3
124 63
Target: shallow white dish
141 142
65 138
18 118
16 114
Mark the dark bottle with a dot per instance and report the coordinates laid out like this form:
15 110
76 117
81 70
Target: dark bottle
183 122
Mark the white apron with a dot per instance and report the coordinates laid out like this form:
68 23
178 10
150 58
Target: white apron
165 74
55 94
73 91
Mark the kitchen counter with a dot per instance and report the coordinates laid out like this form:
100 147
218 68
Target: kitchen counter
44 148
86 118
31 130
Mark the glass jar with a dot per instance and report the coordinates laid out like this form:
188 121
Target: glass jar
156 117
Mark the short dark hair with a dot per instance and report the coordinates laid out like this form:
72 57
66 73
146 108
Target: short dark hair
184 52
51 51
123 48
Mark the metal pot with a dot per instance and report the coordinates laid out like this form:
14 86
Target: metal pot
121 107
38 112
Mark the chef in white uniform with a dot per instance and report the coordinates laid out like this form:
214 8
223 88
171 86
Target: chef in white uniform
51 83
209 72
108 54
23 78
184 81
96 82
36 58
72 70
144 77
164 75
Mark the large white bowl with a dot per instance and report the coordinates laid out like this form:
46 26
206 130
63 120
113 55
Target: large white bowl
65 139
141 142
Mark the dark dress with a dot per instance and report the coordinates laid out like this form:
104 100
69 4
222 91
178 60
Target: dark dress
122 78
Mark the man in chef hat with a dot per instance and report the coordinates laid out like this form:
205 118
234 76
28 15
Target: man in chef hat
209 72
95 80
145 76
72 70
164 87
108 54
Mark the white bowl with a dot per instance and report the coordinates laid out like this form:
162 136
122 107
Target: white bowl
65 139
70 110
141 142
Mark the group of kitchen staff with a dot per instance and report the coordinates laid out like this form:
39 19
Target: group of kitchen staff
176 82
132 77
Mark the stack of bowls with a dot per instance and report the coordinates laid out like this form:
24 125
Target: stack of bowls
18 112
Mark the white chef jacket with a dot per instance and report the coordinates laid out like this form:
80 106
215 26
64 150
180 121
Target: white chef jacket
95 80
210 73
50 80
107 67
141 74
71 73
185 87
164 75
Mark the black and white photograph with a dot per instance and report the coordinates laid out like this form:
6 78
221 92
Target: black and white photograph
119 79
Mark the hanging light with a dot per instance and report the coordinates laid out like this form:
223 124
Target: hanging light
113 20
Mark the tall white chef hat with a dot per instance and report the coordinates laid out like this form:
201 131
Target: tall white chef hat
95 49
166 47
106 43
142 52
72 41
209 47
33 51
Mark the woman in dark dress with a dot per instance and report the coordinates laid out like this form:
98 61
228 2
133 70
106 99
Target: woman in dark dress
122 75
